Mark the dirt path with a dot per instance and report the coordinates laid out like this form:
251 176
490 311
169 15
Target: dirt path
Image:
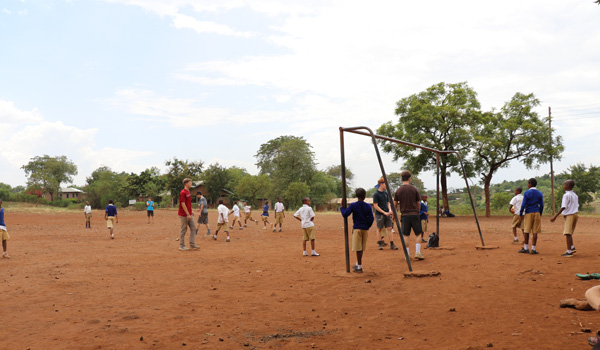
67 287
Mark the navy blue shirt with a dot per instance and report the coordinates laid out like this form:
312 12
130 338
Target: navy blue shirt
424 209
111 210
362 215
2 217
533 202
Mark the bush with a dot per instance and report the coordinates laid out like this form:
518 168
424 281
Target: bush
63 203
139 206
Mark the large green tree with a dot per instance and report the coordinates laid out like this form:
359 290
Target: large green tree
105 184
286 159
48 173
148 183
441 117
179 170
295 192
251 186
587 182
516 132
216 178
324 186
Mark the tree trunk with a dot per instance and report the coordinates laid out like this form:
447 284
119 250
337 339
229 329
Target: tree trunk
487 179
444 185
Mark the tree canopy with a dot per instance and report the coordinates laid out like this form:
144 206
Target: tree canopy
179 170
47 173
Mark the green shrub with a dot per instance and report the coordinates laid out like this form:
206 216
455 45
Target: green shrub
139 206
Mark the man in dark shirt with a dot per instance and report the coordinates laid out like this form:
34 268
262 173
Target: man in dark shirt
383 215
408 200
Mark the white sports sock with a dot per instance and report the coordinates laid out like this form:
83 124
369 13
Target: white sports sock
572 247
532 247
418 248
359 266
313 251
526 246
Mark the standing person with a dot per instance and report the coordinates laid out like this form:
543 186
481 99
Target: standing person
236 216
424 212
306 216
248 214
223 220
150 209
186 217
569 207
532 207
110 215
408 200
279 214
383 215
515 209
362 219
203 209
87 212
3 233
265 215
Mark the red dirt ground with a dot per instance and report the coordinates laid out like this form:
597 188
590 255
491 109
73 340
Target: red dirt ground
67 287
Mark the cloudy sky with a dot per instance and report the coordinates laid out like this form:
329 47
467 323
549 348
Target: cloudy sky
132 83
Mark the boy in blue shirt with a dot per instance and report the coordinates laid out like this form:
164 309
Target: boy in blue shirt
265 215
3 232
424 212
362 219
110 215
531 211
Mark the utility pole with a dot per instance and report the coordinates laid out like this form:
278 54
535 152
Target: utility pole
551 168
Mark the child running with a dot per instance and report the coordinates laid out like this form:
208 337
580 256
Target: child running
248 214
515 208
265 215
3 233
362 219
306 216
223 220
110 215
236 216
569 208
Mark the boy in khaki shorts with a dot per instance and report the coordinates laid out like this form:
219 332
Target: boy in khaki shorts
223 220
531 212
3 233
248 214
279 214
424 213
110 215
515 208
306 216
362 219
569 208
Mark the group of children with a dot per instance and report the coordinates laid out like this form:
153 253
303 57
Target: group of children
527 211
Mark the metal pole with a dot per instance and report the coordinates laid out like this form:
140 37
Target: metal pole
437 195
551 167
344 202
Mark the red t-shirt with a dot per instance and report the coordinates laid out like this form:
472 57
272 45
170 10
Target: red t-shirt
185 197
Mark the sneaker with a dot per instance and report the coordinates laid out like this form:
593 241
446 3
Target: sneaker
393 246
419 256
274 230
231 227
380 245
515 241
534 252
304 254
241 228
573 250
227 240
264 228
245 225
523 250
193 246
567 254
357 270
5 255
423 241
215 238
184 248
384 244
593 341
315 254
280 230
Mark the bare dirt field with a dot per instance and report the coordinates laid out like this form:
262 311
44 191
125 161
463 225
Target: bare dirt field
67 287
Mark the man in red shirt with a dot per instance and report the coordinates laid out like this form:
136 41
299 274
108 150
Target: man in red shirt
186 217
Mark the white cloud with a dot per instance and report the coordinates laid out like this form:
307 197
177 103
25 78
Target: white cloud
11 115
184 21
7 11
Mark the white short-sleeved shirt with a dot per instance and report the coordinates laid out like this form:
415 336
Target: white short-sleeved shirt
305 214
279 207
516 202
570 201
247 209
222 210
236 210
87 209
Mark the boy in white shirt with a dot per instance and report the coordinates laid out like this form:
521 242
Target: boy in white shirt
569 208
222 220
515 208
306 216
279 214
248 214
87 212
236 216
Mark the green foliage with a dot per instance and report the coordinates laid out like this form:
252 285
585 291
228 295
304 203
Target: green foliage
63 203
235 175
139 206
439 117
215 179
322 185
179 170
5 192
587 183
105 184
47 173
147 183
501 200
251 186
295 192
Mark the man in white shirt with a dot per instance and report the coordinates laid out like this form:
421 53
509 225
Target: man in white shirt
87 212
236 216
569 208
279 214
222 220
515 208
306 216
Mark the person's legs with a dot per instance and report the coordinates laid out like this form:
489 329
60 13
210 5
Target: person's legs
593 297
312 244
569 239
4 247
182 230
193 232
304 246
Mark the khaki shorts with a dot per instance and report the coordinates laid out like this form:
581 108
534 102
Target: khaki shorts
110 222
279 218
223 225
570 223
88 217
265 218
308 233
235 219
359 240
517 222
247 216
424 225
532 223
4 234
